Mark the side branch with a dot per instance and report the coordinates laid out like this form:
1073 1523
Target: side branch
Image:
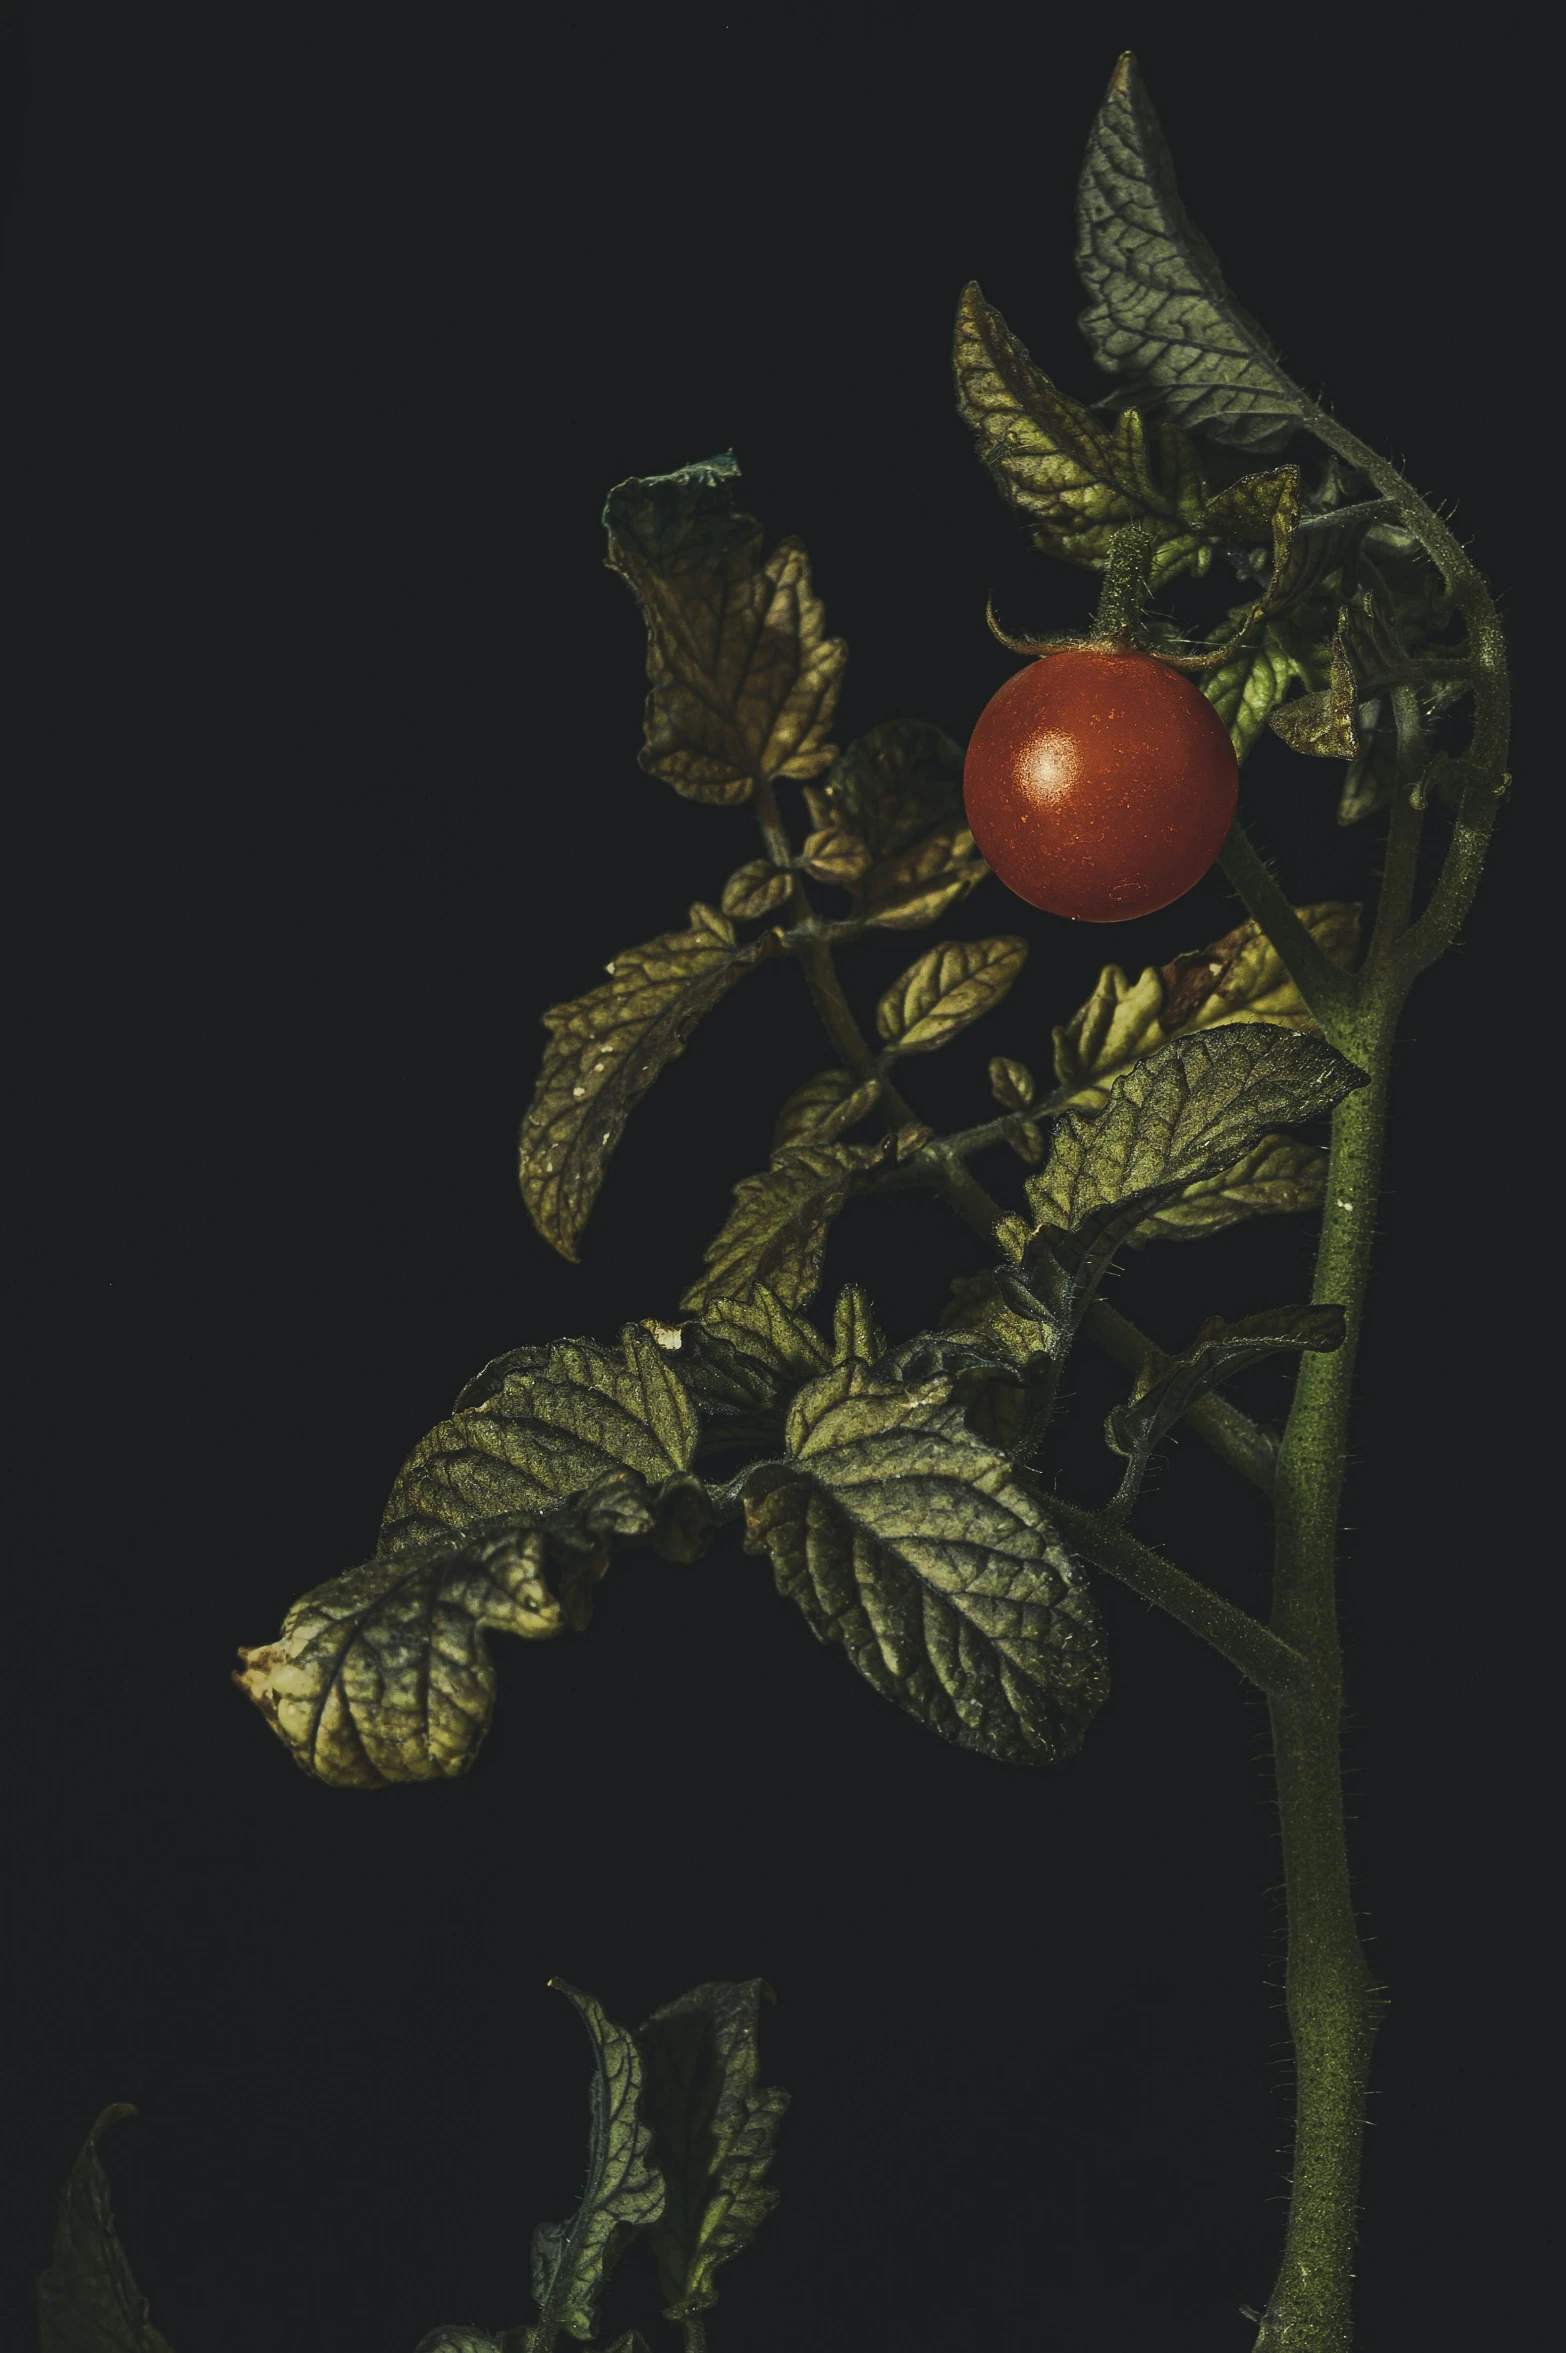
1331 993
1272 1664
1237 1440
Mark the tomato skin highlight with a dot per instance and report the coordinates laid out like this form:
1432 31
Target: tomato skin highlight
1099 784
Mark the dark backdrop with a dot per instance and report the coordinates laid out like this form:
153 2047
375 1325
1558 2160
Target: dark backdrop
327 332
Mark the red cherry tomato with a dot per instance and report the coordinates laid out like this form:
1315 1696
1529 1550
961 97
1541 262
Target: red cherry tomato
1099 784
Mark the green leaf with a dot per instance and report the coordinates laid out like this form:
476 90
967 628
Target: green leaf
454 2338
824 1108
909 1541
1076 478
88 2301
833 855
1183 1113
605 1050
946 991
624 2191
1011 1083
1366 654
1247 687
855 1331
776 1232
382 1674
716 2129
1159 310
551 1427
1218 1352
1239 978
744 677
1276 1178
892 786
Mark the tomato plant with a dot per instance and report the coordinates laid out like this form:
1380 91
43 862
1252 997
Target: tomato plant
1099 783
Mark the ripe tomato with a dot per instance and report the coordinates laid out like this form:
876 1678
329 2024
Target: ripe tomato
1099 783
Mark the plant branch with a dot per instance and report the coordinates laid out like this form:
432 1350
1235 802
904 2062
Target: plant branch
1331 993
1261 1655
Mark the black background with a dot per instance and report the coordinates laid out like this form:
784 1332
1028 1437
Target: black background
327 332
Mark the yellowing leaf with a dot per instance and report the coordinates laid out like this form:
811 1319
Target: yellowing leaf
917 885
1239 978
824 1108
382 1674
553 1425
1076 477
744 677
605 1050
947 990
1275 1178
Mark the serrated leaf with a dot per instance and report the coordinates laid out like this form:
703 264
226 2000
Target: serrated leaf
909 1541
1276 1178
1159 311
88 2300
546 1436
824 1108
382 1674
624 2191
777 1229
894 784
458 2339
1239 978
716 2130
744 677
1183 1113
754 890
1076 478
1015 1336
946 991
605 1050
1219 1351
918 884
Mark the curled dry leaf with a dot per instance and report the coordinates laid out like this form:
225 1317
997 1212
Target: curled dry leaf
744 677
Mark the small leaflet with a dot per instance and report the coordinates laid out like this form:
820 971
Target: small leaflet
946 991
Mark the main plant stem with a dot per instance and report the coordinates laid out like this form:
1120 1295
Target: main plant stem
1333 2002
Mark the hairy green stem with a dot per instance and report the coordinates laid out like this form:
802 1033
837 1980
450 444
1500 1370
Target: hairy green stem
1243 1444
1263 1655
695 2328
1333 2002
